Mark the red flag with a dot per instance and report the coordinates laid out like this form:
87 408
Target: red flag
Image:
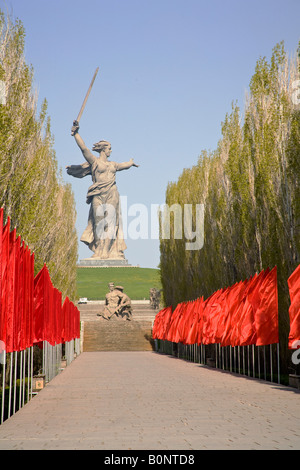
38 307
200 309
57 327
1 235
66 318
21 299
183 323
246 324
266 314
76 322
294 310
71 321
205 321
161 323
231 301
240 325
28 299
166 322
176 316
31 296
4 275
196 328
17 313
211 313
157 330
191 314
217 316
254 294
42 286
156 325
50 334
11 304
246 327
63 321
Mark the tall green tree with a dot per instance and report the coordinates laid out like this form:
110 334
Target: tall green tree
32 192
250 188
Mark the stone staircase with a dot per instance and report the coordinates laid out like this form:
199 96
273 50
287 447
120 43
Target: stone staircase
117 335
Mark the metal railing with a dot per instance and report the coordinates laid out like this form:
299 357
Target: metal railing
18 369
260 362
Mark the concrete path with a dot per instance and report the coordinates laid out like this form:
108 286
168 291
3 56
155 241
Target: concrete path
143 400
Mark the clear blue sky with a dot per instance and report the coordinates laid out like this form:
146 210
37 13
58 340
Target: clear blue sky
169 71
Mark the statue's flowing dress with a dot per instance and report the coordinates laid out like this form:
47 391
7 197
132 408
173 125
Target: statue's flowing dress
102 195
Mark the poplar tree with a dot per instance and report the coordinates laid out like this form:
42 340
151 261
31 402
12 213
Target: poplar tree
32 192
250 188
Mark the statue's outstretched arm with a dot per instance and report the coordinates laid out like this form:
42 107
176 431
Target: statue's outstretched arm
126 165
85 151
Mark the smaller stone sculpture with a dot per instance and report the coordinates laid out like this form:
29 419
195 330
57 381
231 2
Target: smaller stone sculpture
154 298
117 304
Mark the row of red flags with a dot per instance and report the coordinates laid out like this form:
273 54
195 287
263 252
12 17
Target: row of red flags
243 314
294 310
31 308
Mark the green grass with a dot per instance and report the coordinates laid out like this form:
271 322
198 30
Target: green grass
93 282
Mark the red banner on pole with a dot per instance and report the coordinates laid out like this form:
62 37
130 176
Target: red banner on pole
294 310
4 281
243 314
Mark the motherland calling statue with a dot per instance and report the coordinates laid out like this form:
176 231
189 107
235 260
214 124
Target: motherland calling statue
103 234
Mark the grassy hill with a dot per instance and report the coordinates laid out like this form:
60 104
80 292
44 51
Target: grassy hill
93 282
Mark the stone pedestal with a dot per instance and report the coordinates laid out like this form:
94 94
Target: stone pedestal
104 263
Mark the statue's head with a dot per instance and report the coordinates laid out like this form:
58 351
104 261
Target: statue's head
102 146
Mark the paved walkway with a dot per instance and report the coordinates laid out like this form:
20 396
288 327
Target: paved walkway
143 400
